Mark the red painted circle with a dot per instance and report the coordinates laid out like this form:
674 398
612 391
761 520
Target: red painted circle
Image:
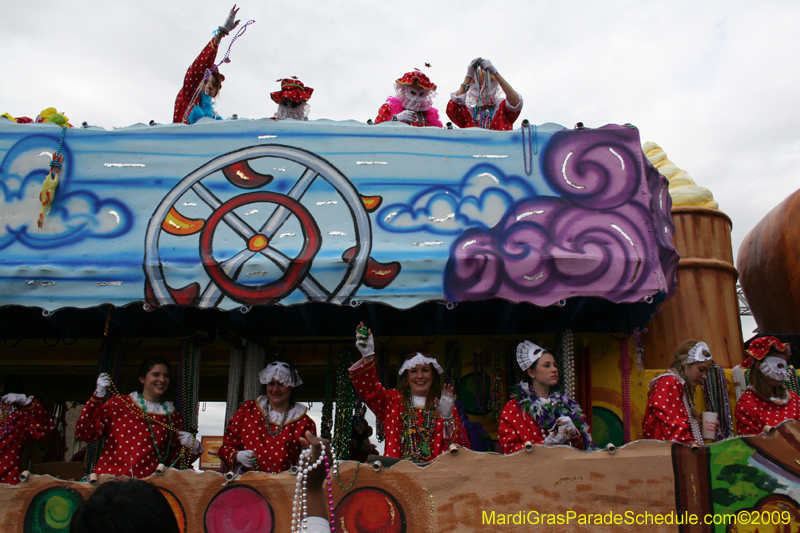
257 243
294 273
239 509
370 510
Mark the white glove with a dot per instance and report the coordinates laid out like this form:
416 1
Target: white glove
407 116
563 431
488 67
230 24
247 458
445 404
186 438
103 383
472 68
365 345
17 399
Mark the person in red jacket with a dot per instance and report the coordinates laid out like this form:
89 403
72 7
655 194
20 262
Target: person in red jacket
195 99
140 429
412 103
670 414
537 413
766 402
292 99
22 420
420 419
485 99
264 434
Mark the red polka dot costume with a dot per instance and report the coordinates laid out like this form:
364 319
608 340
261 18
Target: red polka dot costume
21 426
388 406
128 448
194 76
393 107
753 411
516 428
247 430
501 120
667 416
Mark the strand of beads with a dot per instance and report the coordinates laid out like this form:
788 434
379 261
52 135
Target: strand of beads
625 367
6 416
567 344
495 395
327 403
329 485
480 382
345 397
637 334
300 504
793 383
511 365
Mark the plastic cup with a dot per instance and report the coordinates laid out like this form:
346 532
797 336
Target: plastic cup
709 425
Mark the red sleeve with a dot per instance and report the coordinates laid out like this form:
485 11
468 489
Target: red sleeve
748 422
37 421
232 440
460 115
514 430
192 81
511 116
366 383
94 418
384 114
665 416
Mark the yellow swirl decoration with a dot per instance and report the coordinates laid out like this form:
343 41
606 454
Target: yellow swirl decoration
682 188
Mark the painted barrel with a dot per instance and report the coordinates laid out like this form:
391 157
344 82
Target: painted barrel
769 262
705 306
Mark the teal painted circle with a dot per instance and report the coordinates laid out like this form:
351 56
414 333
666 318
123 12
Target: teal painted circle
51 510
607 427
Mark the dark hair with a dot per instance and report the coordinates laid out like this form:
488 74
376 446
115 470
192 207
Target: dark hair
129 506
436 385
148 364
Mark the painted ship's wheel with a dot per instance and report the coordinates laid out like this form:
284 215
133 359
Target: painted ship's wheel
296 271
293 272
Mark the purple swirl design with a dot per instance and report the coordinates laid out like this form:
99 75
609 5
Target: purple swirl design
596 169
611 239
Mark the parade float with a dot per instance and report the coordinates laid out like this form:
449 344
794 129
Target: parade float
222 243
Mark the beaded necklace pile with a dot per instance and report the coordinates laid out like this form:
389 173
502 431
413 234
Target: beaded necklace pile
6 419
416 438
545 411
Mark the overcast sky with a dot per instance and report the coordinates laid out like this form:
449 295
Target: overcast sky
714 83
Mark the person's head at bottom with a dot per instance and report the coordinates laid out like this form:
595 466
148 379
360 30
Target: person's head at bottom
130 506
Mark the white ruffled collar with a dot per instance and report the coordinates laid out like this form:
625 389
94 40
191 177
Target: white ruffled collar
295 413
419 401
152 407
776 401
669 372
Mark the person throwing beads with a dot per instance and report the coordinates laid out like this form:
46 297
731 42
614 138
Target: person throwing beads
22 420
140 429
670 414
420 419
537 413
766 402
412 103
485 99
195 99
264 434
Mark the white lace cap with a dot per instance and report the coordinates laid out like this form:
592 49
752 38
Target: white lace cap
697 354
280 371
420 359
527 354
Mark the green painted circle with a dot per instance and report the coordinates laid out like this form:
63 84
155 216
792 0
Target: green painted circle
606 427
51 510
466 392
